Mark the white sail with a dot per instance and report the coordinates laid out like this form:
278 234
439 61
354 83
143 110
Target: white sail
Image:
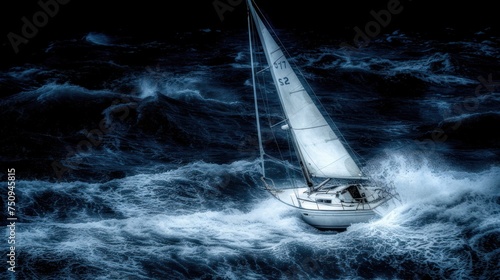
320 148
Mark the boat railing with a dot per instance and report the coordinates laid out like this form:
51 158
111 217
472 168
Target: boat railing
366 202
381 195
341 204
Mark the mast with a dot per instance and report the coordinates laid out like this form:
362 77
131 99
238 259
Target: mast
261 148
305 172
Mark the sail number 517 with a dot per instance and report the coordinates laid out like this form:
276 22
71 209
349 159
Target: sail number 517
280 65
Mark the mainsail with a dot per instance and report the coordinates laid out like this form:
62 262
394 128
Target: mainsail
321 150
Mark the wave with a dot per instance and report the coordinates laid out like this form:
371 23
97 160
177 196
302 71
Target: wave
420 179
216 221
189 87
436 68
11 86
433 65
446 217
478 47
27 77
26 73
173 87
207 242
54 91
186 189
242 57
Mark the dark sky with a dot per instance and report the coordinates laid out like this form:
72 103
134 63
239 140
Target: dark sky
154 18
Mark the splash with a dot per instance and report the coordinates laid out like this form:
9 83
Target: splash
419 179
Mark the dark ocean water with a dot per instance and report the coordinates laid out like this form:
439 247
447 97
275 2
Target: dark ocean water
136 158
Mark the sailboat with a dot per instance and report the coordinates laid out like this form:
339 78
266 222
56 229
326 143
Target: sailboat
322 179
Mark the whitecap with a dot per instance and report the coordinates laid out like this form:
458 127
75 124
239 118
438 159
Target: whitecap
54 90
99 39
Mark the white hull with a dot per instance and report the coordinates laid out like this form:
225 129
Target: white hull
333 207
324 219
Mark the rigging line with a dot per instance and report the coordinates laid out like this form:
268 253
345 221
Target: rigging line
264 93
283 162
261 78
278 123
262 70
279 58
266 100
270 123
267 92
261 149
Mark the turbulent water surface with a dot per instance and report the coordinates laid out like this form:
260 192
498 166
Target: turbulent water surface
137 159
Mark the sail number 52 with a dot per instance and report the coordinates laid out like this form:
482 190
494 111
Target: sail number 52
284 81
